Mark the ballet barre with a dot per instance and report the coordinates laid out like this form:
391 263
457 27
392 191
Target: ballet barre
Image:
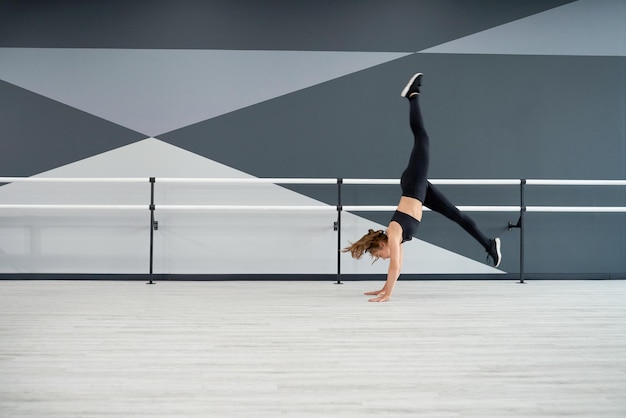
475 182
295 180
309 208
325 208
522 208
74 179
535 182
72 207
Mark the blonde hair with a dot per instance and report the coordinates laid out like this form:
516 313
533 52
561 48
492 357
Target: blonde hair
368 243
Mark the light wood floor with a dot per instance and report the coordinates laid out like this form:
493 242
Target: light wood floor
312 349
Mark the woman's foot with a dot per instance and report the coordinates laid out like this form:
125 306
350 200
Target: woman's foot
413 86
494 252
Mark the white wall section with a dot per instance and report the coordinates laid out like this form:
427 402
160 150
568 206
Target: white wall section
254 242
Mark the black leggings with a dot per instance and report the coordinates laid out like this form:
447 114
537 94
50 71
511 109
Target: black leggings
414 178
437 202
414 181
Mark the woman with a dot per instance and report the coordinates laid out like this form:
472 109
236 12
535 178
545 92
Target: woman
416 193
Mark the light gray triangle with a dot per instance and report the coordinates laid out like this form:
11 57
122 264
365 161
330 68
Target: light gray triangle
157 91
584 27
187 242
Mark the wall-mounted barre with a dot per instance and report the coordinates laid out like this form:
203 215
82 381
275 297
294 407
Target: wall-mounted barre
252 180
74 207
339 208
305 208
74 179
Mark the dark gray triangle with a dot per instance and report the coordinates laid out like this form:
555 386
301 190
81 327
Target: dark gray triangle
322 25
39 134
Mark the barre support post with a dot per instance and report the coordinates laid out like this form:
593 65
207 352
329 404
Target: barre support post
338 229
520 225
153 226
521 231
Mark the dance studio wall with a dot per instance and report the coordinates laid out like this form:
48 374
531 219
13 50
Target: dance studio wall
245 89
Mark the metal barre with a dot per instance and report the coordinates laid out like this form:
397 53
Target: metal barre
255 180
580 209
576 182
477 182
268 180
169 180
81 207
339 208
328 181
383 208
325 208
74 179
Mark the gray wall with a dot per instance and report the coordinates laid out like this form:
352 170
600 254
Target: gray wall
524 89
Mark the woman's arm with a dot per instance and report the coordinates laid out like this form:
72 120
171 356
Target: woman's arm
395 265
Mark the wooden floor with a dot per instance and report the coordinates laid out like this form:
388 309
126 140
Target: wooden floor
312 349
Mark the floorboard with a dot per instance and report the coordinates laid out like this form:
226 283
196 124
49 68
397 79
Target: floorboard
312 349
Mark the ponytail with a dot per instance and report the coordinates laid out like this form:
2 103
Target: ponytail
368 243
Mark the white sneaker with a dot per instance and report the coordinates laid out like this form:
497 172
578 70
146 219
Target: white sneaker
495 253
413 86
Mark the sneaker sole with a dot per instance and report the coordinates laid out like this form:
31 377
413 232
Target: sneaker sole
408 86
497 240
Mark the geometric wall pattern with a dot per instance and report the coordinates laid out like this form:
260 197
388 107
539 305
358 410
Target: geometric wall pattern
267 106
581 28
157 91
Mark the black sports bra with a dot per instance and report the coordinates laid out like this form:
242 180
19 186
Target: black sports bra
408 224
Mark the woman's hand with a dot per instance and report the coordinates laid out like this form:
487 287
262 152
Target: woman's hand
381 298
381 295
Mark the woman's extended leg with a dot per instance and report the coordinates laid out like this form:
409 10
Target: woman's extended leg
437 202
414 178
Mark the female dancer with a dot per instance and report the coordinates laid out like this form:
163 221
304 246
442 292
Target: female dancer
416 193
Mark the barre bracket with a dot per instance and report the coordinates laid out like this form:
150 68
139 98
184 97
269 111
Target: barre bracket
517 225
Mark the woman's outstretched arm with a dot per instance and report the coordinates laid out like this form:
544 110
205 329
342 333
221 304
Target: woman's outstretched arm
395 264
